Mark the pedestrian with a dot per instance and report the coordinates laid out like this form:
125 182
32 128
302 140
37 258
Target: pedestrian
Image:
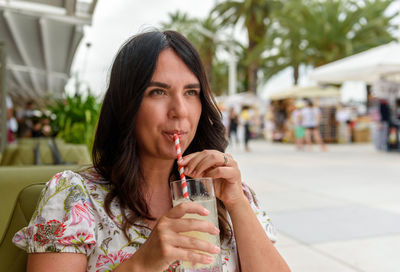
245 117
118 214
342 117
297 119
12 125
233 126
311 117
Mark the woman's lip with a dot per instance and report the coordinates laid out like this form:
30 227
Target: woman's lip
180 133
170 135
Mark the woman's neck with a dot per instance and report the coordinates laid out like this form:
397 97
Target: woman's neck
156 174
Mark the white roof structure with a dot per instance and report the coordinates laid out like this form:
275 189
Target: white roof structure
41 38
367 66
306 92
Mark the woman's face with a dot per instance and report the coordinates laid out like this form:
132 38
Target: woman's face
171 104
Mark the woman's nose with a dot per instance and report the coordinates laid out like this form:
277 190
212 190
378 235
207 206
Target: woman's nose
178 107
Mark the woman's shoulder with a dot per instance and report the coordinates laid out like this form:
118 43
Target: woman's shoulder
89 179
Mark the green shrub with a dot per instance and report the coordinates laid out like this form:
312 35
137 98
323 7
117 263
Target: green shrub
75 119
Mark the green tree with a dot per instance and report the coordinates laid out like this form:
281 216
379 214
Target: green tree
76 118
254 15
310 32
201 33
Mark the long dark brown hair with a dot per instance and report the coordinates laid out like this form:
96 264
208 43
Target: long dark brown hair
115 150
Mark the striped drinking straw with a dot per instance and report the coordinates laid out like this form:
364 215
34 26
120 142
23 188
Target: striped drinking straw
180 168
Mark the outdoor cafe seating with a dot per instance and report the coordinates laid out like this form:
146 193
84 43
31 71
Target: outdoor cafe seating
20 188
44 151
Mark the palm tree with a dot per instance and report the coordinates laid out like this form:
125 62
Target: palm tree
318 32
254 14
201 33
348 27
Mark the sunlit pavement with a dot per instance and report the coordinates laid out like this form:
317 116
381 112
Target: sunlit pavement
335 211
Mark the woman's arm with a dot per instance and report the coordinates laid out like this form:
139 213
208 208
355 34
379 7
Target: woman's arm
56 262
256 251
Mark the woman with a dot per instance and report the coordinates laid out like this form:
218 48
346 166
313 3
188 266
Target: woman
118 215
311 119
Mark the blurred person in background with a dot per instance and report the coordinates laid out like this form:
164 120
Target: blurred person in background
343 118
311 119
384 125
279 120
269 123
246 118
12 125
25 120
297 119
233 126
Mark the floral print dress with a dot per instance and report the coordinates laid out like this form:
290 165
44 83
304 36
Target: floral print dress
70 217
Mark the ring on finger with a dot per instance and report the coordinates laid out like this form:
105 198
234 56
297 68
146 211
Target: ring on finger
226 159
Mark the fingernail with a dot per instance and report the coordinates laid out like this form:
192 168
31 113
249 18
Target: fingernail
206 211
210 259
216 249
216 230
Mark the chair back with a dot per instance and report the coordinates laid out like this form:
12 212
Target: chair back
20 188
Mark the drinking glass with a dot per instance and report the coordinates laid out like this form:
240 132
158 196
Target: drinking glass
201 191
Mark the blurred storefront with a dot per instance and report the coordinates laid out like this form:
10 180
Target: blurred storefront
378 67
283 103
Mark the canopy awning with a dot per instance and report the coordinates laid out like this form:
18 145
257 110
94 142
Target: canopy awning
306 92
41 38
367 66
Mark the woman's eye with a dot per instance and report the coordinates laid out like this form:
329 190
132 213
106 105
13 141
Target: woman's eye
157 92
192 92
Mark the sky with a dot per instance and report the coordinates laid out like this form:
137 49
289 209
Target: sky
114 21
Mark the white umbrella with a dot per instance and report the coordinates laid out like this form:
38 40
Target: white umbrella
367 66
306 92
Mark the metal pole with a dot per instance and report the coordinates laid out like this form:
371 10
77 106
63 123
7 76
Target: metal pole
232 71
3 93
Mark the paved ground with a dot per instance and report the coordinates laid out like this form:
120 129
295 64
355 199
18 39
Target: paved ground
335 211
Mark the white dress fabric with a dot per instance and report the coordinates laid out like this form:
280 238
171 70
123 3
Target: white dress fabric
70 217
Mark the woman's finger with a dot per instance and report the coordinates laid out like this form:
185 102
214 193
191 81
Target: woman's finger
190 162
187 207
196 165
193 224
212 160
192 256
230 174
192 243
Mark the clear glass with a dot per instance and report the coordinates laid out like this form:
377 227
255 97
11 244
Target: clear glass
201 191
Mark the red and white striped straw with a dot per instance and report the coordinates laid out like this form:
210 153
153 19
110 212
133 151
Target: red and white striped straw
180 168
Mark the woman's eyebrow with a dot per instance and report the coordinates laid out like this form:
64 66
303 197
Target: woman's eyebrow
166 86
159 84
192 86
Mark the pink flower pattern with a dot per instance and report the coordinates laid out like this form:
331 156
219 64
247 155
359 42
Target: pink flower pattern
111 261
79 239
49 232
81 211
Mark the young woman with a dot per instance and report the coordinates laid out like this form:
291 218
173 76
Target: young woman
118 215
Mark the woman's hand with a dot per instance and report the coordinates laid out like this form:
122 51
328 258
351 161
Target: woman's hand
222 168
166 245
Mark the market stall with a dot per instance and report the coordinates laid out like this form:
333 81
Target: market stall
379 67
326 98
